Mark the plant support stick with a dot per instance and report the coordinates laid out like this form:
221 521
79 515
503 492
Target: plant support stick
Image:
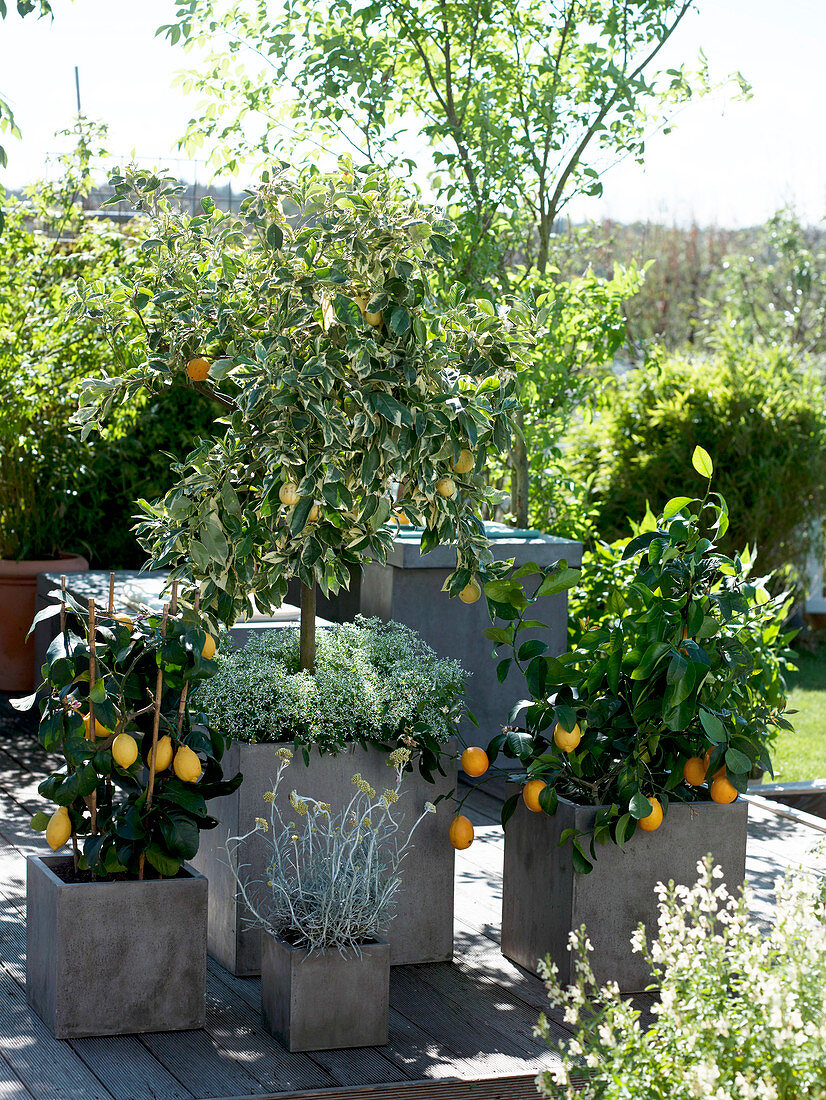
90 732
156 720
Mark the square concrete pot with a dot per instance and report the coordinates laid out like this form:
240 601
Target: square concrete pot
408 589
422 928
544 899
315 1001
115 958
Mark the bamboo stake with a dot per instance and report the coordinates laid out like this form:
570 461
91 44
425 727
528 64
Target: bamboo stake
63 635
179 725
156 721
90 732
111 594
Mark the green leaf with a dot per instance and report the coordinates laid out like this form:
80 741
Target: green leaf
97 693
400 320
299 515
163 863
623 830
713 726
39 821
561 579
640 806
502 669
737 761
675 505
582 865
548 800
508 808
701 461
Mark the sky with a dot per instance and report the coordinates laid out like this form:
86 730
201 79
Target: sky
726 163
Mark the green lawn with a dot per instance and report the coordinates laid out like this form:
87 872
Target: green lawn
802 754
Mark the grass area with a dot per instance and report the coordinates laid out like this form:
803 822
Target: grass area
802 754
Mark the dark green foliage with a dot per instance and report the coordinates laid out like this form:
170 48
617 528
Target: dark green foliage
759 412
684 657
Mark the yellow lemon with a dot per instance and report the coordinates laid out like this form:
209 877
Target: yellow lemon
567 740
471 592
124 750
530 794
446 487
694 771
464 463
163 753
209 647
654 819
315 514
186 765
474 761
100 730
723 791
460 833
288 494
197 368
125 620
59 828
400 517
374 319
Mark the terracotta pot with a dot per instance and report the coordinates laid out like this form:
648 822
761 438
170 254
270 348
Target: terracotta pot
18 590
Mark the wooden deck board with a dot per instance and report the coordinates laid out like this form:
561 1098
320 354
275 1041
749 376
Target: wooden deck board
457 1030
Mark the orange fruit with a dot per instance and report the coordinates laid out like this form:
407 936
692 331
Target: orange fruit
530 794
464 463
707 761
198 368
460 833
567 740
694 771
471 592
288 494
722 791
474 761
654 819
446 487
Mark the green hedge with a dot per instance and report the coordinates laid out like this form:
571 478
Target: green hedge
759 412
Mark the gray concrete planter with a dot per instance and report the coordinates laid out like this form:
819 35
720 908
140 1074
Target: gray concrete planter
115 958
544 899
408 589
422 929
315 1001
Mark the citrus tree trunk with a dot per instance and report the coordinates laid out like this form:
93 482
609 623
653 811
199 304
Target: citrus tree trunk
307 632
520 474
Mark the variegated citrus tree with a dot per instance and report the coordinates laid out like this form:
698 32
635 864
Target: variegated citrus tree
354 400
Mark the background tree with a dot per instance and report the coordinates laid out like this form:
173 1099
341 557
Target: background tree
7 123
348 392
521 103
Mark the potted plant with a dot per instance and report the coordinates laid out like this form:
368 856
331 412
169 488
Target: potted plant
111 923
641 735
376 687
353 401
324 898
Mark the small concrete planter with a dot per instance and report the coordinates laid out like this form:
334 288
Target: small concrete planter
422 928
315 1001
115 958
544 899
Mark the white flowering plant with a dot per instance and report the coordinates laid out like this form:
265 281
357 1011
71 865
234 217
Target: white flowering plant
375 683
740 1013
331 877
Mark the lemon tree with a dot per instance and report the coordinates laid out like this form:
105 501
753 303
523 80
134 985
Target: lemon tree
673 693
353 400
99 795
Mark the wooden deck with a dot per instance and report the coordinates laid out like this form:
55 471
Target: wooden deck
457 1030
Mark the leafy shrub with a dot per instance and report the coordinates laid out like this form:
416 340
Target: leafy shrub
761 414
683 660
332 873
740 1013
57 493
373 683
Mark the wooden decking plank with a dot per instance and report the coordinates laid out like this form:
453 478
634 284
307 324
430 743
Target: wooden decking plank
500 1087
410 1048
48 1068
460 1030
11 1087
194 1059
